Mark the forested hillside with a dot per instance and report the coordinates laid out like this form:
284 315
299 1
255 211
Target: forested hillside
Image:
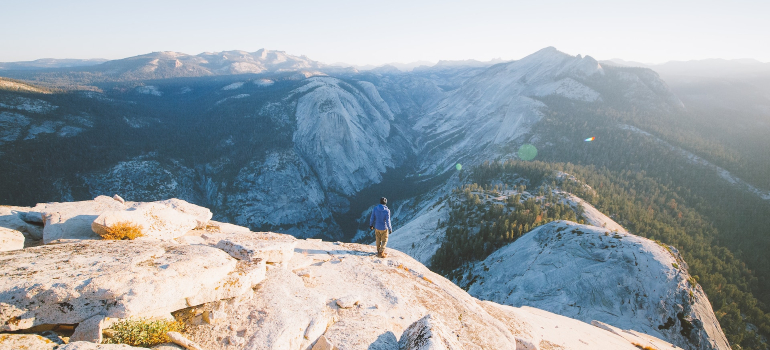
740 216
634 199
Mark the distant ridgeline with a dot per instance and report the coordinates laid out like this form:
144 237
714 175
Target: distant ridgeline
479 225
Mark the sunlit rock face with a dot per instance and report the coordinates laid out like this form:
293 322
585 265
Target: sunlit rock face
494 109
500 104
282 191
69 283
590 273
342 132
341 294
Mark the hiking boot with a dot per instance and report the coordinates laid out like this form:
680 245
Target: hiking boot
384 255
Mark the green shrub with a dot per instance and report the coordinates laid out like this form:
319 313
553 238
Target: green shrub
143 332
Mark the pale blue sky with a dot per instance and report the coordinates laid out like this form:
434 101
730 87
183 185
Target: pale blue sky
376 32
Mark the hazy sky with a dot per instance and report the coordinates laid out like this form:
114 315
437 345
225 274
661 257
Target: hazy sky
376 32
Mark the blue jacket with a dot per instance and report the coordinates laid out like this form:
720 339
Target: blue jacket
380 218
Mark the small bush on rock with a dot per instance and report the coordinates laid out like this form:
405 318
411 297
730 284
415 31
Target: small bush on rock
143 332
123 230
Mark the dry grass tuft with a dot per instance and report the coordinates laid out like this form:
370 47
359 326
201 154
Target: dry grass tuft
123 230
143 332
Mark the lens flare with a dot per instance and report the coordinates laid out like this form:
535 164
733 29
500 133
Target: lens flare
590 139
527 152
459 167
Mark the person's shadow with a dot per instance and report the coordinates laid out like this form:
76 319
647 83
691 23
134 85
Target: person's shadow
386 341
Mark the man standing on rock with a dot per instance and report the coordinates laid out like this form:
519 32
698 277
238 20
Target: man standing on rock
380 223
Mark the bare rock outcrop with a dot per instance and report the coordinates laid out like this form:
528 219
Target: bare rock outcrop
10 239
591 273
70 283
21 219
324 344
89 330
85 220
428 333
182 341
292 311
251 246
223 227
156 220
26 342
202 215
71 221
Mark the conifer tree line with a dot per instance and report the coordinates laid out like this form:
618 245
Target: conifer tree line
479 224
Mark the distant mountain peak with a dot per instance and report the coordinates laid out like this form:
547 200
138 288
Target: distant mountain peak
553 53
548 51
165 54
261 53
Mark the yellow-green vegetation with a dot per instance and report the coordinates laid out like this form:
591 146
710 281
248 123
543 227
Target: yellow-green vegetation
477 227
123 230
693 280
143 332
643 347
21 86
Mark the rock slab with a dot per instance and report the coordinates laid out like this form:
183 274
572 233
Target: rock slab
525 344
428 333
89 330
251 246
324 344
202 215
19 218
26 342
71 221
70 283
179 339
10 239
163 220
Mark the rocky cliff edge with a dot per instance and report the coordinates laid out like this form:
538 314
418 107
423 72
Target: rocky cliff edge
236 289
